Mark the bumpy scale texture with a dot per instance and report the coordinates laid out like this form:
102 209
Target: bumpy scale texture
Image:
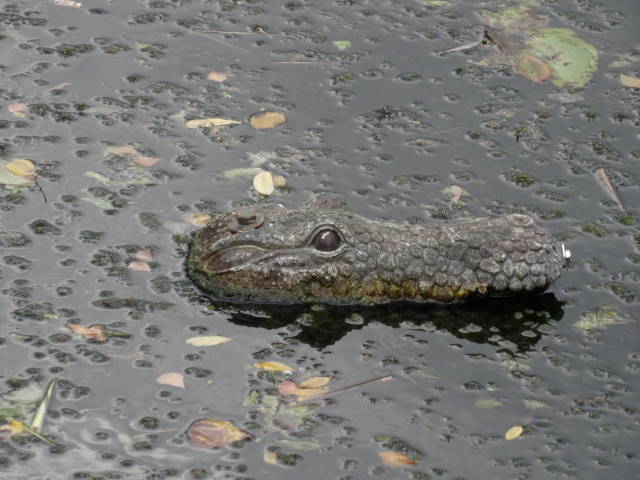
268 253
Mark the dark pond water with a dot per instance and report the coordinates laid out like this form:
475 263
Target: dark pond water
384 120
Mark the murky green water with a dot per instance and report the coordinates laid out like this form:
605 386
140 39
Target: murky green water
375 113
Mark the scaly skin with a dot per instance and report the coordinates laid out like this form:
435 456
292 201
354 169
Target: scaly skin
265 253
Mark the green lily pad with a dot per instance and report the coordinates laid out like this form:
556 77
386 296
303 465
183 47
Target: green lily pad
572 60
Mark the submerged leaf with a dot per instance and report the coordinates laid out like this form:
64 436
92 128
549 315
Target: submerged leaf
207 341
18 109
532 68
139 266
95 332
487 402
600 318
143 161
209 432
266 120
395 459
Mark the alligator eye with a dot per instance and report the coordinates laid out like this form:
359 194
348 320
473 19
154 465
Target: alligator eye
326 240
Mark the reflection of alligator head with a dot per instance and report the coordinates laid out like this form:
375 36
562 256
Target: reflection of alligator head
325 253
518 322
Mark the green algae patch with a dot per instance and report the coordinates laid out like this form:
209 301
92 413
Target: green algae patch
572 61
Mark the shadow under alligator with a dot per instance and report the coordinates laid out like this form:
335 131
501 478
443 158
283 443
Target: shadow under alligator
520 321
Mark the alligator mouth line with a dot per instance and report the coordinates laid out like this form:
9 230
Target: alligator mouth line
234 258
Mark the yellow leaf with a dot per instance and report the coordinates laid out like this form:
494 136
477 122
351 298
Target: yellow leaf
274 366
395 459
21 167
197 219
210 122
173 379
630 81
514 432
263 183
314 382
13 428
270 458
267 120
309 392
208 341
209 432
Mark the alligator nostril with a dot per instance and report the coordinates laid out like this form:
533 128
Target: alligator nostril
246 216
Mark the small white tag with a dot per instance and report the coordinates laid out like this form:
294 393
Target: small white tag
566 253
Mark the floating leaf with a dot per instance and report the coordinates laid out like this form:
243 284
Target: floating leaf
21 167
314 382
139 266
173 379
210 122
532 68
487 402
572 60
514 432
267 120
217 76
27 395
263 183
274 366
604 179
144 255
67 3
533 404
14 427
143 161
207 341
8 178
270 458
627 81
123 150
38 418
279 181
287 388
198 219
395 459
209 432
95 332
600 318
18 109
299 444
455 192
342 44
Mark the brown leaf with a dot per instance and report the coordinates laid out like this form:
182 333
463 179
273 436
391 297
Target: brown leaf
287 388
217 76
121 150
95 332
532 68
395 459
604 179
143 161
18 109
198 219
209 432
21 167
173 379
632 82
314 382
514 432
266 120
139 266
263 183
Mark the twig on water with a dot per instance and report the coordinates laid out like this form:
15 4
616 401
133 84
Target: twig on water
338 391
224 43
604 179
206 30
